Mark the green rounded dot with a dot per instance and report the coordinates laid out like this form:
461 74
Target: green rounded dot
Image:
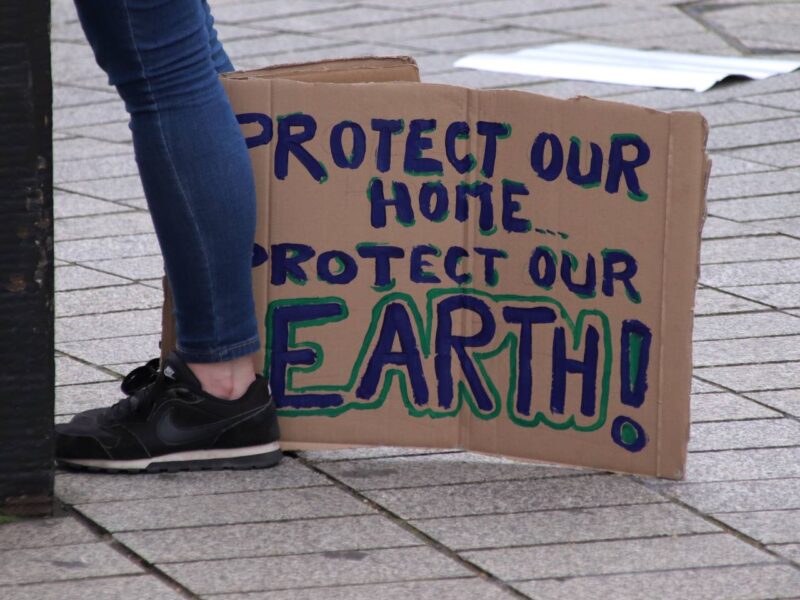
628 434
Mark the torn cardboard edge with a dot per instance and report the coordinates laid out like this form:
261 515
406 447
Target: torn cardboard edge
679 136
625 66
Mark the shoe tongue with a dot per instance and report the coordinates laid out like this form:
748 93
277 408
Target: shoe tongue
175 369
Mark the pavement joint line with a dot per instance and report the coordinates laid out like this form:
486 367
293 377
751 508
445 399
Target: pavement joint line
57 187
722 525
743 394
714 366
149 568
91 364
747 337
67 581
683 484
746 448
725 290
435 544
366 458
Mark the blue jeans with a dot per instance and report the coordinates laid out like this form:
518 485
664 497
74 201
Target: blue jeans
163 56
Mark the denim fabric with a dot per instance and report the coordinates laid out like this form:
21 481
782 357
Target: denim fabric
163 56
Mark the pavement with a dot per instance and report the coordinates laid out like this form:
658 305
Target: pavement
393 523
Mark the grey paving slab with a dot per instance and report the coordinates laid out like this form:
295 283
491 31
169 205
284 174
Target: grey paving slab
753 378
703 387
77 277
760 208
754 134
73 149
103 226
727 407
118 246
101 167
108 325
787 225
728 496
728 165
731 113
252 11
327 568
781 295
593 16
82 488
715 227
563 526
44 533
790 551
753 184
71 399
76 561
412 31
787 401
730 465
722 327
223 509
779 155
758 433
117 131
89 114
135 268
366 453
68 95
702 42
108 299
343 18
642 32
70 371
140 587
751 273
490 38
138 348
768 527
747 582
595 558
672 99
440 469
709 302
67 205
747 351
267 539
442 589
513 496
570 89
479 79
115 188
493 9
272 44
745 249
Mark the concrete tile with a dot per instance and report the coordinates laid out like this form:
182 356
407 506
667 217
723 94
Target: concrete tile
139 348
117 131
754 378
746 351
570 89
563 526
571 560
727 407
267 539
768 527
790 551
731 113
644 33
743 249
731 465
119 246
410 31
751 273
76 278
759 433
327 568
71 399
77 561
101 167
672 99
715 227
109 325
441 469
788 226
140 267
479 79
702 387
727 165
366 453
252 11
116 188
787 401
726 327
70 371
779 155
89 114
108 299
342 18
82 488
597 16
493 9
68 95
441 589
754 134
140 587
709 302
223 509
749 582
44 533
781 295
273 44
489 38
759 208
67 205
513 496
753 184
728 496
103 226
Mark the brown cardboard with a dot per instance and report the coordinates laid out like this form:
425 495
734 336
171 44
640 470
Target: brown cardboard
330 318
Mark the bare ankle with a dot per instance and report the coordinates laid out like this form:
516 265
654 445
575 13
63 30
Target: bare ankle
228 380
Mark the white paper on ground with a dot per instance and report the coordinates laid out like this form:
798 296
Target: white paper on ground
593 62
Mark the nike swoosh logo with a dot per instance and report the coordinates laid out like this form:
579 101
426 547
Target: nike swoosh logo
173 435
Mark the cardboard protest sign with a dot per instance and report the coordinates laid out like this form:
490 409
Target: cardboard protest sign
493 270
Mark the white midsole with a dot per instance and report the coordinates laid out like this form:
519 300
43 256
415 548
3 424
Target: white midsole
143 463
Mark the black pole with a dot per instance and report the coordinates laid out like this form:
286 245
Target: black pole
26 259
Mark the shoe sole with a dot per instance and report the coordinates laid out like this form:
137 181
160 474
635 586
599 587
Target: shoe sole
252 457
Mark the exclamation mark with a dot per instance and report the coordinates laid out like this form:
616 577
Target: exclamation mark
636 339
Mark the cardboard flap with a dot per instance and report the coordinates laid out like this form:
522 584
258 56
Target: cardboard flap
365 69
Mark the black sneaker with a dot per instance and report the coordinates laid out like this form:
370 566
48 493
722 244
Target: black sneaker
168 423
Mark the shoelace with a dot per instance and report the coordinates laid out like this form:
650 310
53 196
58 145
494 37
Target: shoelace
141 387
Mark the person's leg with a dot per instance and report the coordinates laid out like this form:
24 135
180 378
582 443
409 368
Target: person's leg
163 57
